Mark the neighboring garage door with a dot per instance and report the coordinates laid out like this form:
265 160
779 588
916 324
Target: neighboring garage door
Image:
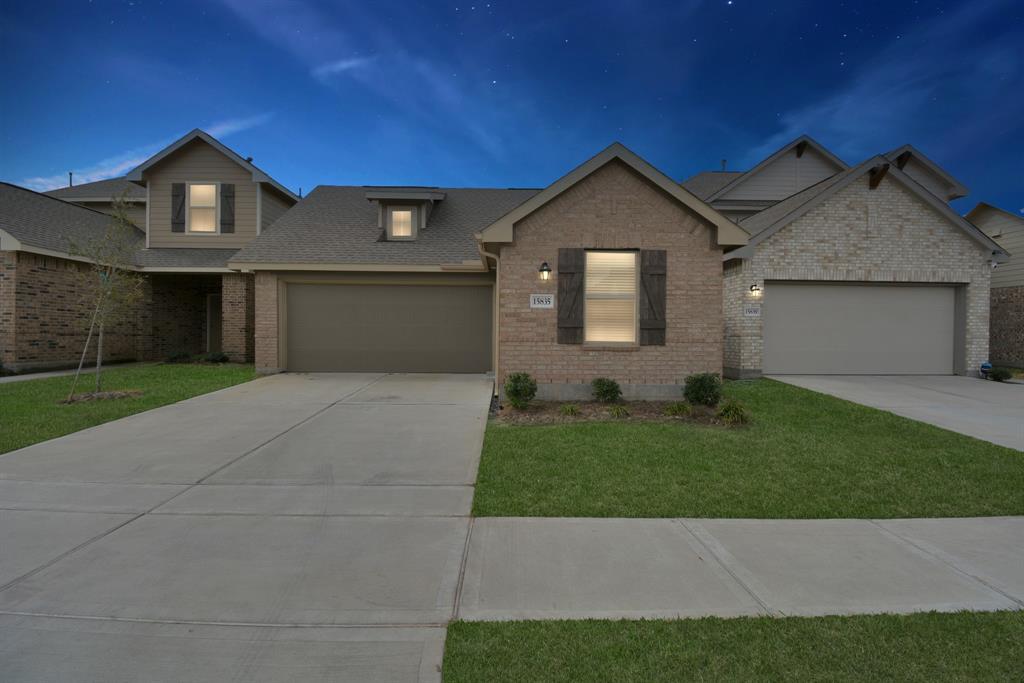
388 328
858 329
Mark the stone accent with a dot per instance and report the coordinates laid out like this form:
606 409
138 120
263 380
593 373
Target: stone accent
238 309
266 326
859 234
613 208
1006 326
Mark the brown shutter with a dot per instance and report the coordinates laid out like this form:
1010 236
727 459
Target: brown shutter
570 296
652 297
178 207
227 208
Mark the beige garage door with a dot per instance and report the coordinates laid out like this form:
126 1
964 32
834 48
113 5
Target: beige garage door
812 329
388 328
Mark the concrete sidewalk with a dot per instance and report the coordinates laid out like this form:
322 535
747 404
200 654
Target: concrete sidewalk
556 568
88 370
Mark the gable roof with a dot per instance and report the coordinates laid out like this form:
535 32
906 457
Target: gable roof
258 175
727 232
982 207
100 191
956 188
766 223
706 183
339 225
805 140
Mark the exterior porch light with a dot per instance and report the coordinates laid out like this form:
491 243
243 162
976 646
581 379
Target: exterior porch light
545 271
755 290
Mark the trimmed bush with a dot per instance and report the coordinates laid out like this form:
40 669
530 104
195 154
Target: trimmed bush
215 357
618 411
704 389
606 390
520 388
1000 374
569 409
179 357
678 409
732 412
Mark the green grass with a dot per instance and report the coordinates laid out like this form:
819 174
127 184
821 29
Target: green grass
30 411
920 647
804 455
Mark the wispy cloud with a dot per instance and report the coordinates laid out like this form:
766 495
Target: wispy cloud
340 66
119 164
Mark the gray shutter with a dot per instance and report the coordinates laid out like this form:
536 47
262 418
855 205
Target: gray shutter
227 208
178 207
570 296
652 297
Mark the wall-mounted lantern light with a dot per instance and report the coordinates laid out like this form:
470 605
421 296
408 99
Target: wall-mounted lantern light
545 271
755 290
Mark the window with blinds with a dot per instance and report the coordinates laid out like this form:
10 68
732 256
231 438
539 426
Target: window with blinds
610 300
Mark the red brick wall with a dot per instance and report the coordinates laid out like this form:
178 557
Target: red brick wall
8 273
614 208
1006 332
179 311
238 291
266 329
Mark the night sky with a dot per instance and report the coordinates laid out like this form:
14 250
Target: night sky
510 94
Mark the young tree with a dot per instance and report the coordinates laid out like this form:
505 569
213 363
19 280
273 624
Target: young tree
108 286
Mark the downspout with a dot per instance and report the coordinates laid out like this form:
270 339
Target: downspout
494 317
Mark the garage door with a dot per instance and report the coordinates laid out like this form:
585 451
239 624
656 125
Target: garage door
858 329
388 328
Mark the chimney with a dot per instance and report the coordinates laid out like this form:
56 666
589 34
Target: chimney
723 165
69 179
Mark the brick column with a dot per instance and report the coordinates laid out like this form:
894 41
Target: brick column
238 313
8 271
267 343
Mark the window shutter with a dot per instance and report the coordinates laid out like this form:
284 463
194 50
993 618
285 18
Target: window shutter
178 207
227 208
652 297
570 296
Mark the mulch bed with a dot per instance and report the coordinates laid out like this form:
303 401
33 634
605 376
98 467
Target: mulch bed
550 412
102 396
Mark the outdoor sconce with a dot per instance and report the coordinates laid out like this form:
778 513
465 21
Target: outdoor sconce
545 271
755 290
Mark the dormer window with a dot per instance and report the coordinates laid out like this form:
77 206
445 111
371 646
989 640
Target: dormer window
401 222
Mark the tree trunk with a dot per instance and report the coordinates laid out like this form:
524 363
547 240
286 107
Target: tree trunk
81 361
99 355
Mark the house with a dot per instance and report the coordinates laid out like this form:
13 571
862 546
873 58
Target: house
801 264
1006 327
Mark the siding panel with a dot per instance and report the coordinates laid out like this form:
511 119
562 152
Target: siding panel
786 176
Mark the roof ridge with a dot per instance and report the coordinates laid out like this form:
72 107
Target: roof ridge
56 199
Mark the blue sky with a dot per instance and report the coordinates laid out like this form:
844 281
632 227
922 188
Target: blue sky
509 94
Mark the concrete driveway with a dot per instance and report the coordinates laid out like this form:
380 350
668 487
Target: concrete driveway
985 410
192 541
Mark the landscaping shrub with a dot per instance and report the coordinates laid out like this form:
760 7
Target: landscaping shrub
704 389
618 411
520 388
179 357
732 412
215 357
569 409
606 390
678 409
1000 374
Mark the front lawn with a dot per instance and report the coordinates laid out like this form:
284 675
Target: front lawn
804 455
30 411
919 647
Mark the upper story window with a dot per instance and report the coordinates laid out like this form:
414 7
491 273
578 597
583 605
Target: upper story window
610 297
202 208
401 222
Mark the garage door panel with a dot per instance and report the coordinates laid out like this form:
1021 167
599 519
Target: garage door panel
388 328
858 329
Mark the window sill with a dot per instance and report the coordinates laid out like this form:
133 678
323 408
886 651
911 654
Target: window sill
597 346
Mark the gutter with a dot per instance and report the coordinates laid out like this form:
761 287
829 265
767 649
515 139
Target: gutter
484 255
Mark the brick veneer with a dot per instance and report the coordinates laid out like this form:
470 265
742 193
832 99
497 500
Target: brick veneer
266 329
859 234
179 311
238 310
1007 326
613 208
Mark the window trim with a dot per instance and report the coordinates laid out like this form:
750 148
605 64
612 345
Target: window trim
636 301
188 208
413 209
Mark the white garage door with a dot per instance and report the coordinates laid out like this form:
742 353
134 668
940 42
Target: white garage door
858 329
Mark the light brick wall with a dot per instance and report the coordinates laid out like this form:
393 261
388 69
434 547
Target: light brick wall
613 208
266 328
238 311
1007 326
859 234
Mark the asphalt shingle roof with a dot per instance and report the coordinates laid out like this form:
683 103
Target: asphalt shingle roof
337 224
101 189
46 222
705 184
183 258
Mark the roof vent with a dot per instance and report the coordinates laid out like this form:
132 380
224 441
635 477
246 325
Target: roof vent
248 160
723 165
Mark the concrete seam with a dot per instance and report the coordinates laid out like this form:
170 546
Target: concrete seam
462 568
199 622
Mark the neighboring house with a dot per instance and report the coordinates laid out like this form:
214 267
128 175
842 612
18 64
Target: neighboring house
802 264
201 203
100 195
1006 329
